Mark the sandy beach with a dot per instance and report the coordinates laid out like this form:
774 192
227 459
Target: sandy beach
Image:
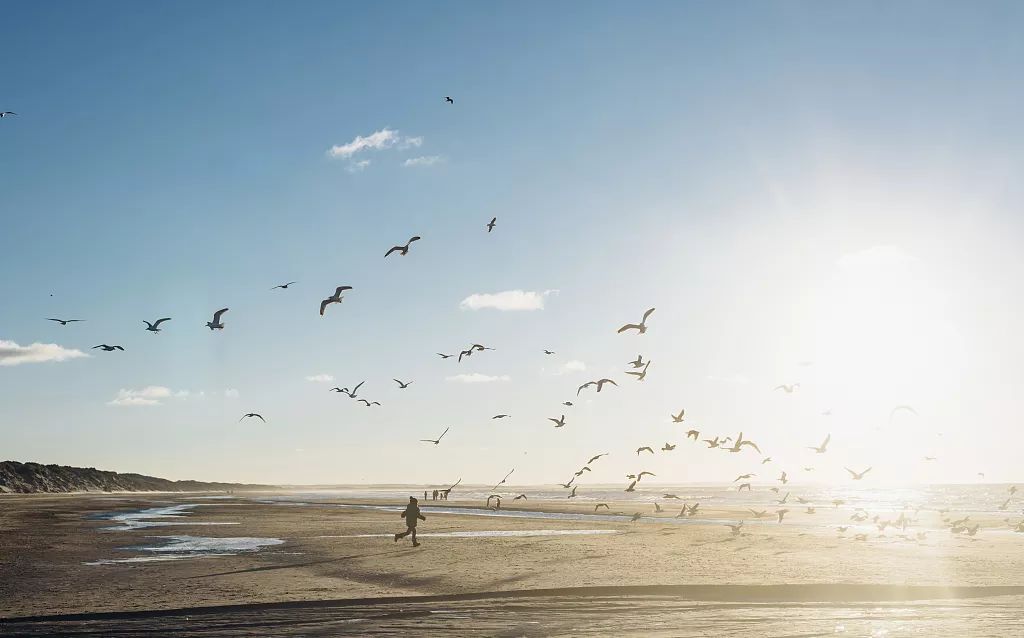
80 555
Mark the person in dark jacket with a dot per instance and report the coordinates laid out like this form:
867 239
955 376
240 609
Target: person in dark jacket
411 516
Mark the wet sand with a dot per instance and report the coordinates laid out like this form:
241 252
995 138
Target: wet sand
332 555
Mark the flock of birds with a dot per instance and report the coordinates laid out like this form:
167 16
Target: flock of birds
639 371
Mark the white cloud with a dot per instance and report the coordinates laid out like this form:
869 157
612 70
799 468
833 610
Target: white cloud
150 395
882 256
507 300
11 354
231 393
376 141
426 160
320 378
476 377
357 167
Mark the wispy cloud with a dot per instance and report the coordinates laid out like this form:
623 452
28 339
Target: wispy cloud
507 300
320 378
357 167
150 395
376 141
476 377
11 354
425 160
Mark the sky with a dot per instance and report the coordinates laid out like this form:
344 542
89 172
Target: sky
817 193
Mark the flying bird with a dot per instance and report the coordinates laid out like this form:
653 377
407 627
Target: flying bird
444 356
788 389
599 383
252 415
500 416
351 393
670 496
640 376
65 322
369 403
857 475
821 448
641 327
335 298
155 326
521 496
448 99
757 514
783 479
781 514
548 352
402 250
766 459
572 494
638 362
559 423
402 385
632 487
693 434
641 475
678 418
599 505
502 481
438 439
7 113
641 449
668 447
782 501
284 286
568 403
491 224
216 324
744 485
736 529
743 477
635 517
740 442
594 458
105 348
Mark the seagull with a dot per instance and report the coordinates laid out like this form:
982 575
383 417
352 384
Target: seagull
712 443
641 327
599 505
693 434
783 478
635 517
559 423
594 458
641 449
521 496
766 459
548 352
107 348
581 471
657 508
155 326
335 298
491 224
668 447
667 496
572 494
678 418
782 501
738 445
568 403
641 475
369 403
782 514
743 477
787 388
821 448
284 286
252 415
736 529
692 510
640 376
449 100
569 484
402 250
599 383
7 113
438 439
857 476
502 481
401 385
742 485
500 416
757 514
465 353
639 362
351 393
444 356
216 323
65 322
632 487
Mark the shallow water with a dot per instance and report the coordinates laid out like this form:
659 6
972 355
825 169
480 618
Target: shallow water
185 547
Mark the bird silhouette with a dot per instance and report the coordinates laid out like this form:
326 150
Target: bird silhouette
638 362
401 384
600 505
284 286
155 326
559 423
599 383
437 441
521 496
252 415
449 100
641 327
668 447
500 416
4 114
744 485
105 348
857 475
491 224
502 481
640 376
404 249
594 458
781 514
335 298
821 448
216 324
444 356
644 448
678 418
368 403
693 434
65 322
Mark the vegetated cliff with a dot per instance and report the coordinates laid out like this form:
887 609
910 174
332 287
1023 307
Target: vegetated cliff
28 478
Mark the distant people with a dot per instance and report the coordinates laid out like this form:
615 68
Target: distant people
424 495
411 516
435 495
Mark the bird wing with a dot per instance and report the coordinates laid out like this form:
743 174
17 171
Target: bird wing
647 314
628 326
443 433
157 323
356 389
825 443
751 444
852 473
217 315
340 289
412 239
393 249
260 417
323 305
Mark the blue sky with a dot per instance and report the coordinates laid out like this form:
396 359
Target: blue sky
786 182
